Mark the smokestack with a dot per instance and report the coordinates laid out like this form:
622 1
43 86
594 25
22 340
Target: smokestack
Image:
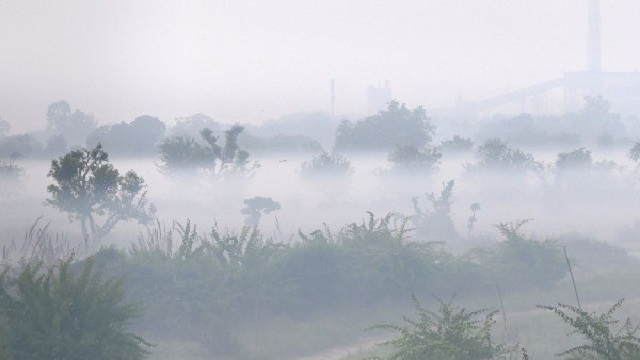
333 98
595 38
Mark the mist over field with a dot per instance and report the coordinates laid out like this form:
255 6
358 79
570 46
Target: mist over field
298 180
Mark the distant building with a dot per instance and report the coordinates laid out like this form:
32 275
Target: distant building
378 97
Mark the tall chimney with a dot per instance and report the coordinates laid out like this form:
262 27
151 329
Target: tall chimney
595 38
333 98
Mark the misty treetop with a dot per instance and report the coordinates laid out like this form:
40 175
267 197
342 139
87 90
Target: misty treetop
139 137
397 125
89 188
184 154
73 125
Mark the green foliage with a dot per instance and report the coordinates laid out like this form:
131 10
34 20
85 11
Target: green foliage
256 206
137 138
449 333
518 262
475 207
74 125
184 154
603 342
634 152
495 154
326 165
578 159
394 126
434 222
203 286
56 314
180 154
88 187
413 159
18 146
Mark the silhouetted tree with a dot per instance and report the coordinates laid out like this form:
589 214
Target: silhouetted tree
140 137
398 125
256 206
180 153
75 126
88 187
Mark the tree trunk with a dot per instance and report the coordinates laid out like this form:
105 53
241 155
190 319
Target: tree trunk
94 231
85 235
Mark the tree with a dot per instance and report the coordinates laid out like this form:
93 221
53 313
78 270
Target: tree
326 165
75 126
4 127
495 154
634 152
410 158
59 315
181 153
398 125
579 159
140 137
88 187
256 206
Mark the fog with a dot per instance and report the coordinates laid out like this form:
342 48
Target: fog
249 61
269 179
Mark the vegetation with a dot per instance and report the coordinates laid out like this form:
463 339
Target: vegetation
519 262
434 222
579 159
456 144
58 314
410 158
9 170
603 342
325 166
88 187
397 125
450 332
73 125
495 154
137 138
184 154
256 206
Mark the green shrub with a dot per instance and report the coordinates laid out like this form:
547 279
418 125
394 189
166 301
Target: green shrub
449 333
603 342
58 315
326 165
518 262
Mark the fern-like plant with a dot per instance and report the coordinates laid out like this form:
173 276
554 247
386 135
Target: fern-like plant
449 333
603 342
56 314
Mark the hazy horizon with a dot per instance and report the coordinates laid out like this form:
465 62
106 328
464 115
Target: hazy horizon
248 61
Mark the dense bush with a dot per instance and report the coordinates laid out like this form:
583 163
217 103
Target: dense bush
183 154
326 166
450 332
397 125
414 160
520 263
495 154
210 287
58 314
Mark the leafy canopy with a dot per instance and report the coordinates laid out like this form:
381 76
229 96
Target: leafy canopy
87 186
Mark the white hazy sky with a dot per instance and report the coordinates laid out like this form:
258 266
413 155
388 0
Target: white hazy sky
247 61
